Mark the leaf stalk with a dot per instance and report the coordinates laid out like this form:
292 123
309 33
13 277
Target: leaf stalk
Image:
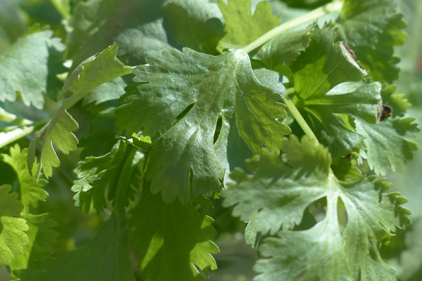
313 15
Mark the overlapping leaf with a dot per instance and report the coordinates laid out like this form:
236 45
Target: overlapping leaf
251 27
327 83
186 95
285 186
97 174
143 27
90 74
29 67
31 191
174 239
389 144
12 235
105 258
284 49
372 29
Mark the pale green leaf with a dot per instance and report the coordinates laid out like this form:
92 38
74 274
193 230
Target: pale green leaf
29 67
90 74
42 238
252 26
372 28
12 235
105 258
180 106
174 239
283 186
30 189
389 144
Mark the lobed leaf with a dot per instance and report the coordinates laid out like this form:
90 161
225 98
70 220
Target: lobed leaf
372 28
98 174
29 67
285 186
31 190
389 144
252 26
186 95
12 235
328 85
174 239
143 28
90 74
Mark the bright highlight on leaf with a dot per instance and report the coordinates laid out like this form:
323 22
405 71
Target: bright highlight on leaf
281 188
251 27
186 95
12 235
90 74
29 66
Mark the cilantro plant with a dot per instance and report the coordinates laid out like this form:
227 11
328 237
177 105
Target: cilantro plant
173 110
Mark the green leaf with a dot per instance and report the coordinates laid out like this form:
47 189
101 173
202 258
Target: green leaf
241 26
283 187
389 144
30 189
42 238
279 204
143 28
98 174
90 74
324 88
29 68
58 131
174 239
372 29
12 235
186 95
398 102
284 49
106 257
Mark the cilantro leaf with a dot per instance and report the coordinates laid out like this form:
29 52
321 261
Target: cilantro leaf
29 67
186 95
326 83
106 257
90 74
97 174
285 186
372 29
389 144
12 235
174 237
30 189
252 27
143 28
42 238
284 49
398 102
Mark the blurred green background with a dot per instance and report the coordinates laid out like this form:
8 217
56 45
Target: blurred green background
236 259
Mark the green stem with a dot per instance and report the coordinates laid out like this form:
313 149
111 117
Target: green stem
19 133
302 123
313 15
124 178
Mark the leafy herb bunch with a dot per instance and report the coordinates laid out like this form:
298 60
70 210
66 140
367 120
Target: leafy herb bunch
274 116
